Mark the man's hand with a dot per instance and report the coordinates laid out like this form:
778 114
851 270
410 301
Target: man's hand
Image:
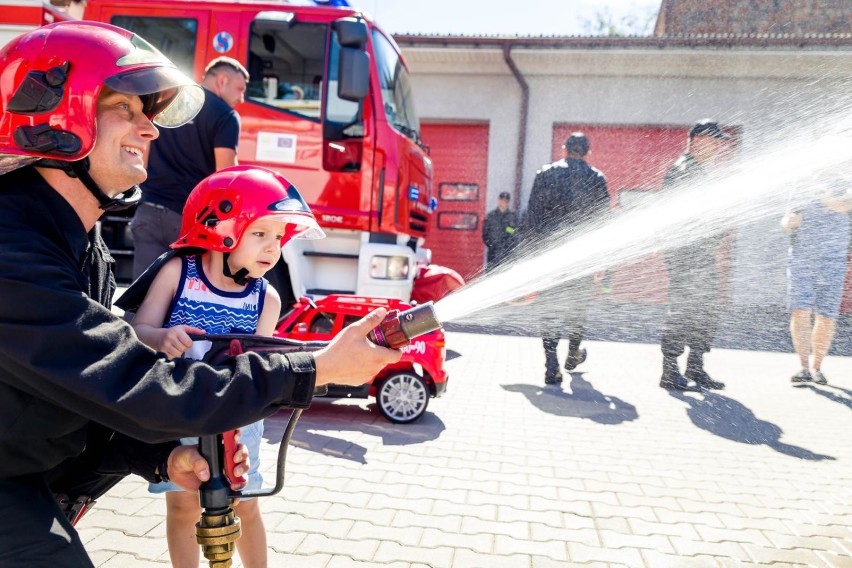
351 359
188 468
838 204
791 220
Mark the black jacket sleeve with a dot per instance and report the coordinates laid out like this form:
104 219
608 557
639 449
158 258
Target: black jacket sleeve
108 457
488 229
535 218
60 351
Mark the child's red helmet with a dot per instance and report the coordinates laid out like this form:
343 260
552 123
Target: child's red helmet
220 208
51 77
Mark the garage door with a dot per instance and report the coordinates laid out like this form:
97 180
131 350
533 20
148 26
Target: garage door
459 154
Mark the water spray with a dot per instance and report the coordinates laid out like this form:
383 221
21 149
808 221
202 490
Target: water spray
755 187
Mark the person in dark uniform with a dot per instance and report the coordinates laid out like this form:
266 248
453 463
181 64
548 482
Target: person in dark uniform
499 232
693 311
182 157
82 402
566 195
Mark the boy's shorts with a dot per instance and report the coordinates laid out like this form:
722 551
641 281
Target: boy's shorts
817 285
250 436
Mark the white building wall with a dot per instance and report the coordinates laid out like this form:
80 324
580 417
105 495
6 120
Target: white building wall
760 91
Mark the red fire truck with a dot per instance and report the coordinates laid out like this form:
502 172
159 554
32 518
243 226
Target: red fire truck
329 105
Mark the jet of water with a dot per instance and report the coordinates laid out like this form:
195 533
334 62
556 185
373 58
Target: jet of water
757 186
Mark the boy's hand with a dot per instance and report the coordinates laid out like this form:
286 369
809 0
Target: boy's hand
175 341
352 359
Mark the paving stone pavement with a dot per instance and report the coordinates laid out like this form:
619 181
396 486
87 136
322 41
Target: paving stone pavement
606 470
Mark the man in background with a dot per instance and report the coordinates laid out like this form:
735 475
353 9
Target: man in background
499 232
566 195
181 157
819 246
693 312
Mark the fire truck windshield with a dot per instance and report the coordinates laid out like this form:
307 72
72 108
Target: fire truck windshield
397 94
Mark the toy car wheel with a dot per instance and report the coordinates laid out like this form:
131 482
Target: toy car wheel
402 398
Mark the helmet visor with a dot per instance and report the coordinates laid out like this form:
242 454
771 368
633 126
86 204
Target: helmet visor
11 162
295 210
304 225
173 98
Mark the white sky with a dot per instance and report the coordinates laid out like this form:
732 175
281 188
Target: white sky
505 17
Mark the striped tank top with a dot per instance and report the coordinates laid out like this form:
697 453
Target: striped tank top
200 304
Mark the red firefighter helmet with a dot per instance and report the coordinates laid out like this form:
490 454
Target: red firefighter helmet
51 77
220 208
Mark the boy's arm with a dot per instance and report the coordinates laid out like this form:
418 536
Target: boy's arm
269 315
151 315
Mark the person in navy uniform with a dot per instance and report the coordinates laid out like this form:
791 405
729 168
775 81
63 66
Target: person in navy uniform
693 310
566 195
499 232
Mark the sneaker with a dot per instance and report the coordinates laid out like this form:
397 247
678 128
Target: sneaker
673 380
574 359
803 376
819 378
703 380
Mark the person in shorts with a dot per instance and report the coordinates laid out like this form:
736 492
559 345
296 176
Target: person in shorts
819 247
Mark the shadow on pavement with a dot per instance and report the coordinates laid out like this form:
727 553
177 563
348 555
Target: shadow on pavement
843 397
452 355
312 430
583 401
730 419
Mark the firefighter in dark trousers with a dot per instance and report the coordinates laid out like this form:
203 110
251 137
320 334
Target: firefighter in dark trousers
565 196
82 402
693 312
499 232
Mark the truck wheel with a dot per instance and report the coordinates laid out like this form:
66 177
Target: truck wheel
403 397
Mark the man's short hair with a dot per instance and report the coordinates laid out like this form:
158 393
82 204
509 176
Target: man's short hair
225 63
577 143
708 127
505 195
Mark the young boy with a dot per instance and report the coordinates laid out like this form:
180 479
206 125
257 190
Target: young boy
234 224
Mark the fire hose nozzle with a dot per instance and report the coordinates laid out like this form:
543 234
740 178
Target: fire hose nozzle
399 328
217 533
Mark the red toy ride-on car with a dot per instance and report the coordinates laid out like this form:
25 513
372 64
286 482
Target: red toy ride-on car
402 390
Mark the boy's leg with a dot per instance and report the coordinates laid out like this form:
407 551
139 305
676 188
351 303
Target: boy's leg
182 512
251 545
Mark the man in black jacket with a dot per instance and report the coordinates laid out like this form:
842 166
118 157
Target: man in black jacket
693 312
499 232
566 195
182 157
83 402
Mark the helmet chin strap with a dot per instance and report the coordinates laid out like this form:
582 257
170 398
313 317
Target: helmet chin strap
240 277
80 169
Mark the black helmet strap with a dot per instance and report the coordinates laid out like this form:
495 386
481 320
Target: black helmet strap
240 277
80 169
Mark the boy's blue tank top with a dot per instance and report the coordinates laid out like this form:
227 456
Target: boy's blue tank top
199 304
